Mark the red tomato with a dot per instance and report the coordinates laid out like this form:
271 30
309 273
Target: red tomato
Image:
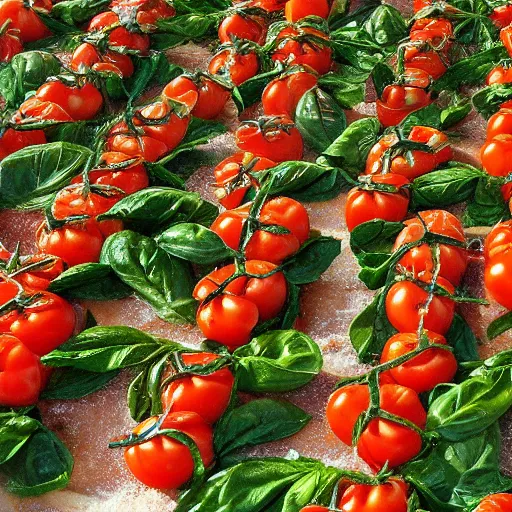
420 260
148 12
211 96
429 61
280 211
497 272
386 497
495 155
282 95
506 38
499 75
81 103
500 123
268 5
435 31
421 4
502 16
295 10
499 240
20 373
87 56
405 299
23 18
13 140
242 26
364 205
10 44
206 395
275 138
398 101
84 57
383 440
301 46
44 324
34 109
314 508
239 65
496 503
119 60
414 77
425 371
119 37
232 180
40 278
136 145
230 317
165 463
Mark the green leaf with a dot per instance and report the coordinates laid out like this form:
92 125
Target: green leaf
386 25
319 119
15 430
75 12
37 171
194 243
161 280
277 361
249 92
499 326
488 206
347 85
155 208
139 402
463 340
382 76
488 100
312 260
257 422
90 281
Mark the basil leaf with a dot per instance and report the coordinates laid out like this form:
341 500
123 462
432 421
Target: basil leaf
70 384
312 260
351 148
470 407
90 281
249 92
471 70
382 76
488 206
81 133
277 361
161 280
319 119
386 25
75 12
292 308
455 475
488 100
499 326
454 184
160 176
37 171
15 431
340 18
476 30
151 209
463 340
347 85
194 243
257 422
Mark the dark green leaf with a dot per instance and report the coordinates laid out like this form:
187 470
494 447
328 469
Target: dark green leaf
15 431
347 85
488 206
138 399
250 91
488 100
386 25
75 12
382 76
499 326
463 340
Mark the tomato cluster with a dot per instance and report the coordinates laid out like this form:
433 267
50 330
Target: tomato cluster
502 17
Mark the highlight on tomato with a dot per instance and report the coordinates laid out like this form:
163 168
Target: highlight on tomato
501 502
367 202
424 371
502 16
206 395
398 101
20 373
436 31
237 62
500 123
232 179
86 56
295 10
499 75
498 263
146 12
282 95
10 42
230 317
24 18
382 441
495 155
275 138
421 260
407 301
162 462
242 26
35 110
264 245
506 38
13 140
499 240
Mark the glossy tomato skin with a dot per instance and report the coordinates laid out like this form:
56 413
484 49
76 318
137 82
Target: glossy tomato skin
275 138
10 45
13 140
148 148
35 109
499 240
398 101
497 273
231 179
495 155
365 205
20 373
506 38
426 370
405 299
40 279
148 12
23 18
499 75
44 324
206 395
385 497
86 56
295 10
500 123
421 4
238 26
282 95
502 16
420 260
432 30
380 441
314 508
238 66
501 502
163 462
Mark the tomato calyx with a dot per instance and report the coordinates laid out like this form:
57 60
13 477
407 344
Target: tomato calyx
243 179
366 182
269 125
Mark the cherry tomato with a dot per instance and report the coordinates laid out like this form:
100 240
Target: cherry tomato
280 211
506 38
40 278
496 503
425 371
421 4
230 317
268 5
386 497
34 109
206 395
132 145
84 57
238 65
13 140
20 373
420 260
165 463
81 103
435 31
497 272
406 299
242 26
303 47
282 95
383 440
499 240
23 18
148 12
495 154
211 96
232 179
431 62
364 205
499 123
398 101
87 56
502 16
47 322
295 10
275 138
10 44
